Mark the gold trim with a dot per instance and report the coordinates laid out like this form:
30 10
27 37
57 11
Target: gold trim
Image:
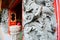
0 5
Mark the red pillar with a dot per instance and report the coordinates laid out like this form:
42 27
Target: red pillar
57 13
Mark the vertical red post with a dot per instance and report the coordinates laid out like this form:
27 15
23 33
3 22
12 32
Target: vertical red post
57 13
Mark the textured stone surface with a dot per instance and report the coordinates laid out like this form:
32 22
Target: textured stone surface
4 20
41 21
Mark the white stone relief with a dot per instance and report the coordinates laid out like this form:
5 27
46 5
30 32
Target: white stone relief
41 21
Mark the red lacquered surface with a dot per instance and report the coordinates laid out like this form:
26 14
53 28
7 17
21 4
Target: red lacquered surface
57 13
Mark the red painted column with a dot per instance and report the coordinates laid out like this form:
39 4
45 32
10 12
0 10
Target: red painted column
57 13
59 20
